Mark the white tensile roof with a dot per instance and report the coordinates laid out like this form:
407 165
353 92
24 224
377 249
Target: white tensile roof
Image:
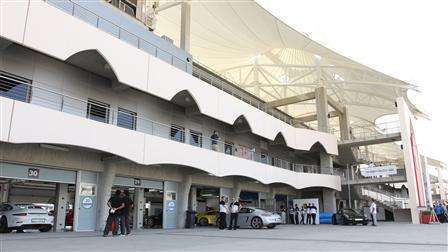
246 44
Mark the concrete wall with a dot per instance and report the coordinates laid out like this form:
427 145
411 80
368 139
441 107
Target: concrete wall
56 33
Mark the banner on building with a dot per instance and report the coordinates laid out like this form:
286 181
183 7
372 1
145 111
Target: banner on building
374 171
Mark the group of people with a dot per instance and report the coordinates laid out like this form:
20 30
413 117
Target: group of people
119 207
306 214
441 211
233 209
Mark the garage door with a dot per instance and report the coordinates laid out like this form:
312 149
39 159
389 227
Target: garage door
28 172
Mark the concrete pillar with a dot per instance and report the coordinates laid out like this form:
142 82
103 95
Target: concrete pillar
225 192
344 125
193 204
270 199
139 207
441 183
326 163
4 197
329 200
236 190
106 182
185 26
182 205
60 207
322 109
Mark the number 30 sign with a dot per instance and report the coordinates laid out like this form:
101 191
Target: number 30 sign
33 173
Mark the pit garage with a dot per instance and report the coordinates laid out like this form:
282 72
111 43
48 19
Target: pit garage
147 196
36 198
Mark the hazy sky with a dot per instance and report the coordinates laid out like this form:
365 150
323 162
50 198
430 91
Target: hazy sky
403 38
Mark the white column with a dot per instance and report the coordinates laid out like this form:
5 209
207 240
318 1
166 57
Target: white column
185 26
60 207
4 193
139 207
441 183
344 125
270 201
236 190
184 192
322 109
329 200
326 163
193 204
107 178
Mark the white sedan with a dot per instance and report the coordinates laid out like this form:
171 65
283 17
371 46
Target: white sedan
20 216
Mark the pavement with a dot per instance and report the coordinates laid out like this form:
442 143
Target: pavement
384 237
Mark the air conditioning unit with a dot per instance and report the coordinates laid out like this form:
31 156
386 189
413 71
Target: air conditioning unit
167 39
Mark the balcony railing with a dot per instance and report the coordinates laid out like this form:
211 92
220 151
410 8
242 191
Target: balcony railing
100 112
116 30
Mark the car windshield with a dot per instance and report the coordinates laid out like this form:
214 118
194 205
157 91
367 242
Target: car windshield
350 211
263 211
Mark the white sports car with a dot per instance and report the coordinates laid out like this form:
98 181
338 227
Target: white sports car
20 216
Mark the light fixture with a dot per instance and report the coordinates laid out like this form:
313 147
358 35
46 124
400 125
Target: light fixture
187 99
211 174
53 147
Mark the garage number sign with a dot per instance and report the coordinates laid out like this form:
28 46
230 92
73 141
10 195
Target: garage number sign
33 173
137 182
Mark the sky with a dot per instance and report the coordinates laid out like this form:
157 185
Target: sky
407 39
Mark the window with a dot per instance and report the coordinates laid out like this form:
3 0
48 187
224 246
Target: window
177 133
195 138
228 148
98 111
126 119
14 87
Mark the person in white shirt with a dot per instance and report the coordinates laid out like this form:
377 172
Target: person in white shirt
373 212
308 214
223 210
313 212
234 210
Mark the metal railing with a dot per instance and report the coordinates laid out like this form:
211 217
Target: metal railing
103 113
213 78
375 131
115 30
384 197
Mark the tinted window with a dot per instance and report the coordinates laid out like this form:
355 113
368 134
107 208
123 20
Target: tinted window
126 119
14 87
98 111
177 133
228 148
195 138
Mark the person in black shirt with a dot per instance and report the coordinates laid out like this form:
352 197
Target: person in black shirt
296 214
128 205
115 204
234 210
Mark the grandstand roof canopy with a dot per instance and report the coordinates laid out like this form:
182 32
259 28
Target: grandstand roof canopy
246 44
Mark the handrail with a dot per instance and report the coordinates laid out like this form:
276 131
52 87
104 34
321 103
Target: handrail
121 31
126 119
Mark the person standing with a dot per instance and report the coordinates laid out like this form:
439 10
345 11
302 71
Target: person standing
223 210
373 212
313 211
302 215
283 213
234 210
291 214
115 204
296 214
308 214
128 205
214 142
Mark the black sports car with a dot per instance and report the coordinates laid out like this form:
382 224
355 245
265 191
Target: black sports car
347 216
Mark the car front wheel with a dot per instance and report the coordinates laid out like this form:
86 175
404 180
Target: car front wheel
256 223
203 222
271 226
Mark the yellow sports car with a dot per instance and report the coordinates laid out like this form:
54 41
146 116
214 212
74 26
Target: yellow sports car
207 218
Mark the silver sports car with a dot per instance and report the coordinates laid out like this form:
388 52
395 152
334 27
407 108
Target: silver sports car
256 218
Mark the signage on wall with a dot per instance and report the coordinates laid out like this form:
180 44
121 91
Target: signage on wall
87 202
33 173
171 206
137 182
